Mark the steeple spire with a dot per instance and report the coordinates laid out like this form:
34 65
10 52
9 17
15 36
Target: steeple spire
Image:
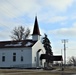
36 30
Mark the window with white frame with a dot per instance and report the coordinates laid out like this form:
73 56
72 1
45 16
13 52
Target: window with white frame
14 57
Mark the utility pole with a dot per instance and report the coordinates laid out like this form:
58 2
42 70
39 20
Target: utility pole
64 41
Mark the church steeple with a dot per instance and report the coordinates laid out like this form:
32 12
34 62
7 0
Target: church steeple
36 31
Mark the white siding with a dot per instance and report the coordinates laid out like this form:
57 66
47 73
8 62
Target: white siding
36 37
8 53
35 48
29 56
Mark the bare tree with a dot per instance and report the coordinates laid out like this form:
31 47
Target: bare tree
19 33
72 60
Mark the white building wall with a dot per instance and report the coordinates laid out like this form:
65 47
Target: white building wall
8 53
38 45
36 37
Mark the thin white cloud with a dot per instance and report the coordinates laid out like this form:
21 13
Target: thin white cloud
57 19
63 23
14 8
5 34
68 32
74 25
60 5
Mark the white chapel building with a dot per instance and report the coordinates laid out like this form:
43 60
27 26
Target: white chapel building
23 53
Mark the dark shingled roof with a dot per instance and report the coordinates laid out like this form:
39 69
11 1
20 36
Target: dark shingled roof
36 30
51 58
17 44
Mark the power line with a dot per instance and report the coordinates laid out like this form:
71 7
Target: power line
4 25
10 13
13 4
5 9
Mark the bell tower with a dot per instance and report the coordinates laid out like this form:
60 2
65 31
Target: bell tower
36 31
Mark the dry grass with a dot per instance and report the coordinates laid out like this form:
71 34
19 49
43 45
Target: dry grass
25 72
67 71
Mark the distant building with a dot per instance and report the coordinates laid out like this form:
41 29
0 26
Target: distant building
24 53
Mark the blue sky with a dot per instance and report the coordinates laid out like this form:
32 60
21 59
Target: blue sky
56 18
